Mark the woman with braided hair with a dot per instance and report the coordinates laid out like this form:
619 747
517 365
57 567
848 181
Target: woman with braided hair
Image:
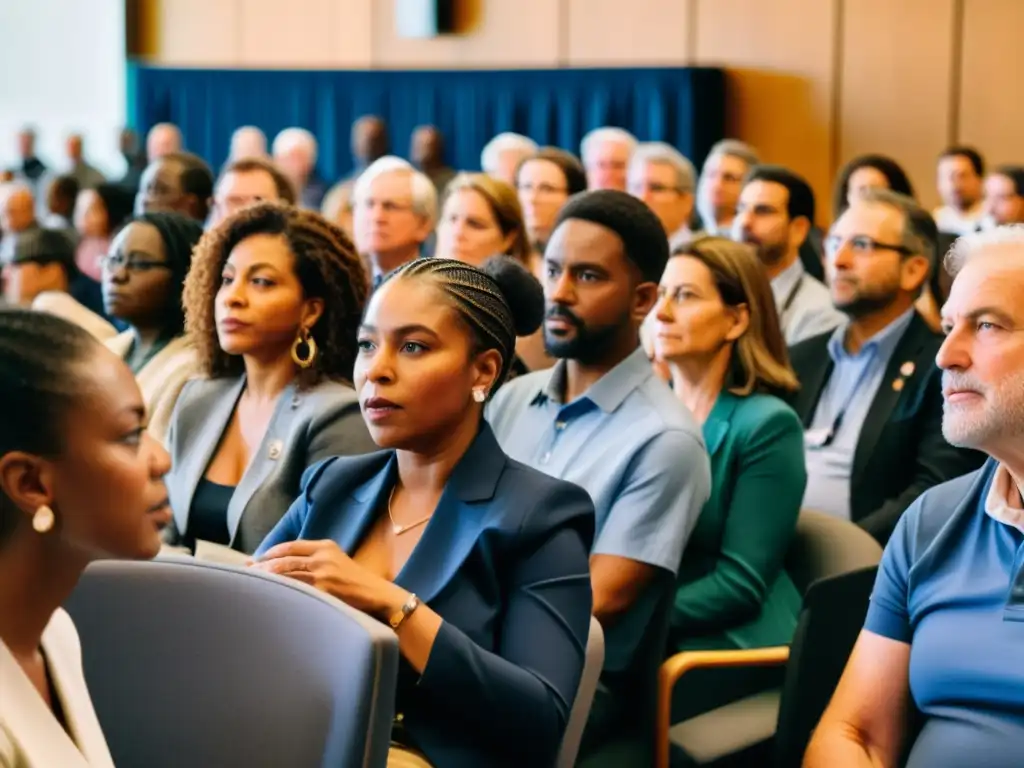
141 278
272 304
478 563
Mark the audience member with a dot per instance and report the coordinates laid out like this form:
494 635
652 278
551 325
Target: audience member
17 215
143 277
665 180
601 419
545 180
481 217
42 275
948 593
179 182
337 208
717 329
272 304
395 207
775 214
426 151
30 169
85 174
491 623
295 153
503 154
99 213
868 172
369 141
1004 195
721 180
163 139
870 394
61 195
247 181
134 159
605 153
248 143
960 174
79 480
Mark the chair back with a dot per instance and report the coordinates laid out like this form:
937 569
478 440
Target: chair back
191 662
592 666
833 562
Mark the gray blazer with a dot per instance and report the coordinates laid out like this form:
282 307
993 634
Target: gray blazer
307 426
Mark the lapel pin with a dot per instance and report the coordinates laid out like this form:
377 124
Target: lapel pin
907 369
897 385
274 449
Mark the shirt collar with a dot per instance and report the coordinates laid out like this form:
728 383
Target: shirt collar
608 392
786 281
882 343
1003 503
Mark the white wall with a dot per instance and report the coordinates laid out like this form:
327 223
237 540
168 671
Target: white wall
62 70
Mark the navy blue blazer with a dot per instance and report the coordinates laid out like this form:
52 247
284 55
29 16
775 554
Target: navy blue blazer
504 562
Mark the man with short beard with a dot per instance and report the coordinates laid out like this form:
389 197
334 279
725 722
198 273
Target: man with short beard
870 395
950 588
775 213
601 419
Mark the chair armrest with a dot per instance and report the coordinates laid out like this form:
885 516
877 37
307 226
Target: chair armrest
676 666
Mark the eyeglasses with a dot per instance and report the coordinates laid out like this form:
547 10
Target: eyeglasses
133 263
862 245
544 190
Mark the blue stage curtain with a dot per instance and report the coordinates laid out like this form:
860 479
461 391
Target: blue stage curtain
682 106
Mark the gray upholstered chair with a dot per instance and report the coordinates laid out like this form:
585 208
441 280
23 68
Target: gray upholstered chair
823 547
592 667
192 663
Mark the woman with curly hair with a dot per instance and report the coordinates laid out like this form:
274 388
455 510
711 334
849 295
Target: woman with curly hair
272 305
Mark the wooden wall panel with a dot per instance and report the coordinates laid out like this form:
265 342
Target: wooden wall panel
302 36
779 57
198 33
612 33
896 98
991 114
506 33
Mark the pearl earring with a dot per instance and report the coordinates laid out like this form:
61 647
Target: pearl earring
479 395
42 520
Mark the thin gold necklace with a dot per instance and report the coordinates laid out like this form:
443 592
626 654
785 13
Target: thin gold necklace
397 529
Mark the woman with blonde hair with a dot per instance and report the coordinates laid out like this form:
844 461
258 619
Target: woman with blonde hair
717 329
481 217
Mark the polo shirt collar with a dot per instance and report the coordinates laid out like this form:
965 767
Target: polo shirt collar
882 343
608 392
1003 502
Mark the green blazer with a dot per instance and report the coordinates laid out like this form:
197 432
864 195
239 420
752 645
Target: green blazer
732 591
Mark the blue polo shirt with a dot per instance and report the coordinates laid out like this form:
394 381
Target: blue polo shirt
634 447
951 585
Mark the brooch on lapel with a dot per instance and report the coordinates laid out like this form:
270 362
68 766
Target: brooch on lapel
274 450
906 371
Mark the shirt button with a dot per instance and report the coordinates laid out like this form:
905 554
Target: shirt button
545 458
559 426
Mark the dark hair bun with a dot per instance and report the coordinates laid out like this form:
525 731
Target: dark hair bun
521 291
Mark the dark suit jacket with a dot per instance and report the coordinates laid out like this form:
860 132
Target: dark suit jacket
504 561
901 451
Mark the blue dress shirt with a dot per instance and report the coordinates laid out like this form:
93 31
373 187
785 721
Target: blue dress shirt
831 440
637 451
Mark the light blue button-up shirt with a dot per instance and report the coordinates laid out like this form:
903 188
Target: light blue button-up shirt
634 447
850 390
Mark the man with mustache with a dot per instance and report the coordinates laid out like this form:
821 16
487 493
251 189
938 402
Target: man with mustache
950 588
775 215
601 419
870 395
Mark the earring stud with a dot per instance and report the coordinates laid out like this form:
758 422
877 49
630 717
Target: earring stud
479 395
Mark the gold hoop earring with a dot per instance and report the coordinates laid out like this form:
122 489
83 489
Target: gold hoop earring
304 338
42 520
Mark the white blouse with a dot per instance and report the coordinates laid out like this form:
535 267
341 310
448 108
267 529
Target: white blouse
30 736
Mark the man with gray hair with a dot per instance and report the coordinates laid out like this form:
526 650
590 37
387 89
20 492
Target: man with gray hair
605 153
502 155
394 210
870 395
721 182
248 142
663 178
295 153
951 581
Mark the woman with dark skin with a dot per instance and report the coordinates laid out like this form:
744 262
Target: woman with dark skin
142 280
80 480
479 563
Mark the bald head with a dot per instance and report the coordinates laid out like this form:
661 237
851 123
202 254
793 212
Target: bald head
162 140
248 142
17 209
